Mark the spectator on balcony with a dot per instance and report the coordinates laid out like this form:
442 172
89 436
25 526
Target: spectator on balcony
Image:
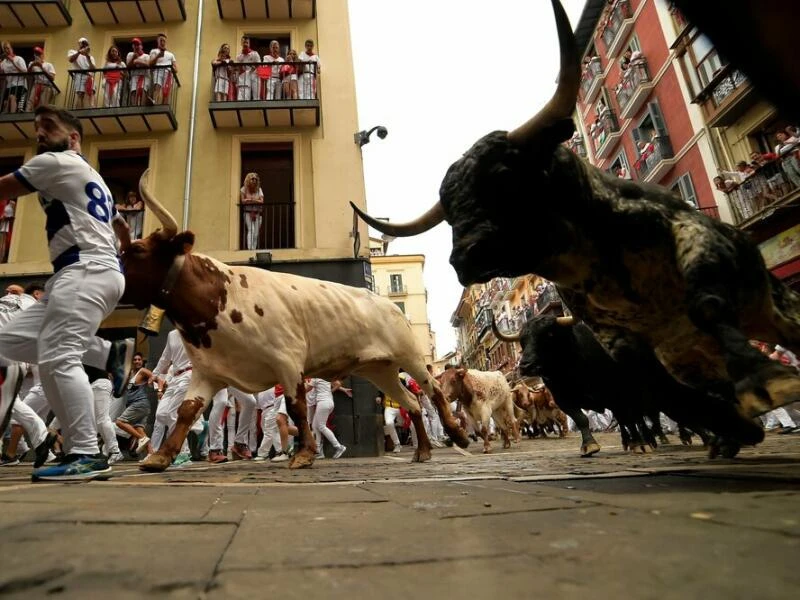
622 172
251 198
289 76
16 85
6 227
247 81
112 88
140 87
274 58
133 213
222 72
724 185
744 169
165 65
82 81
759 159
787 149
308 81
43 90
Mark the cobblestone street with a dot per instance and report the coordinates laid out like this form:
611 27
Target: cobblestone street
535 520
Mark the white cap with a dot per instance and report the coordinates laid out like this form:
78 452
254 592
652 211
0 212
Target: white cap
80 40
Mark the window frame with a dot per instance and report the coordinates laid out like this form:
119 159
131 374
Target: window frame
683 182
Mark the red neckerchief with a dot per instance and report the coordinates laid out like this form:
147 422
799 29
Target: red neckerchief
248 51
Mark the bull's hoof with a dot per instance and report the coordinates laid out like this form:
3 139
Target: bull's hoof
641 449
487 450
772 386
589 449
304 459
155 463
663 440
506 445
724 447
458 436
421 455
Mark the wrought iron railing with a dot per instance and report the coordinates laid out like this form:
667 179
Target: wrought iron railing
118 88
632 78
654 151
620 11
398 290
266 226
591 71
605 124
732 80
239 82
6 230
28 91
134 217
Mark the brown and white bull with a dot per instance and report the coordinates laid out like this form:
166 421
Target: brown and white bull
252 329
483 394
540 407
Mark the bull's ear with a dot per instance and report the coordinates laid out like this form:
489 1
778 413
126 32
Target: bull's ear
184 242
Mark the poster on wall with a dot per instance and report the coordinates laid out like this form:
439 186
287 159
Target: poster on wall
781 248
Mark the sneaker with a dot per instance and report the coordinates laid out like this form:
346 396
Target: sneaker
339 451
216 457
120 361
141 445
182 460
436 443
42 451
259 458
8 461
115 457
396 449
319 456
241 452
280 457
75 467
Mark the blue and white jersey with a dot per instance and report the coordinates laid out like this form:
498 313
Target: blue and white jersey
79 208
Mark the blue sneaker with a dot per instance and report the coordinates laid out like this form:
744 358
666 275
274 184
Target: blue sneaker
120 361
75 467
182 460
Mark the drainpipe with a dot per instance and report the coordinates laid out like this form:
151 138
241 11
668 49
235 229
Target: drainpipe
187 186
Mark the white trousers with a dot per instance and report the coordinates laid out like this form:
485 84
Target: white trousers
320 425
102 389
247 415
24 416
58 334
167 411
390 415
270 428
433 425
215 425
306 87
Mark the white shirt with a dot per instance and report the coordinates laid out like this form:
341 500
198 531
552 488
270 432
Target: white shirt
83 61
276 68
163 61
15 65
79 208
174 354
11 304
251 57
46 68
320 392
782 149
313 58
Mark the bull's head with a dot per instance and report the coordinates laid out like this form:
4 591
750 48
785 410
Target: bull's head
483 194
546 340
148 262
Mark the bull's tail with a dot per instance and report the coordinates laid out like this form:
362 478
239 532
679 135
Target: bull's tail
787 314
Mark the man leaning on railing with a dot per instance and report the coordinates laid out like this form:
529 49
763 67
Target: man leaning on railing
16 84
43 87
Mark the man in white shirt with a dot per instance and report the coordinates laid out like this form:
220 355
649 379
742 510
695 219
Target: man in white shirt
138 77
247 81
43 83
162 77
58 333
274 82
16 86
83 82
311 68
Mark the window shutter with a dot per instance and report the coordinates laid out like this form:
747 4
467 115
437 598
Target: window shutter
657 118
637 136
687 189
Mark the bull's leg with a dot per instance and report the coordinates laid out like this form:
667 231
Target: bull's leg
297 408
423 451
452 427
657 430
589 445
198 396
561 419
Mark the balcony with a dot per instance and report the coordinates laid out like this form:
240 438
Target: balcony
617 26
592 79
771 186
605 133
397 290
266 226
267 9
483 322
101 99
633 90
27 14
16 122
133 12
576 145
655 159
272 102
726 98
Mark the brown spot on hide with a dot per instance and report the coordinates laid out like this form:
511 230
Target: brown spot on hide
259 311
204 294
243 280
294 287
236 316
322 285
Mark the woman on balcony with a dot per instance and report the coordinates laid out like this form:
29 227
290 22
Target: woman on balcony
289 76
252 204
43 82
133 213
112 88
787 149
222 73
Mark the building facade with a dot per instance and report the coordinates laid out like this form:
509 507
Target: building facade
399 277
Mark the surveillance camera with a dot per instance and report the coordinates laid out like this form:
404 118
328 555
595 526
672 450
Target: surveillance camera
382 132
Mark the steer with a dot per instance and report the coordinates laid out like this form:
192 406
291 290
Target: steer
540 407
643 269
483 394
251 329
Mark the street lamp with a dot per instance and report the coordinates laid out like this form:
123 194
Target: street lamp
362 137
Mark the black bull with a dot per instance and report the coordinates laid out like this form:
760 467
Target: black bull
638 265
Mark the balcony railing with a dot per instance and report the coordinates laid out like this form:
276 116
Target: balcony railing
268 226
133 12
605 132
26 14
614 25
6 230
577 146
267 9
112 101
483 322
20 94
653 153
632 89
591 79
728 90
398 290
264 95
135 220
772 184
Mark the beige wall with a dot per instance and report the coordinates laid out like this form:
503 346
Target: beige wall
328 170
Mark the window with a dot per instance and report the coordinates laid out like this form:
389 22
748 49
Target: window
706 58
652 126
396 283
8 164
620 166
260 43
121 170
401 306
269 225
684 187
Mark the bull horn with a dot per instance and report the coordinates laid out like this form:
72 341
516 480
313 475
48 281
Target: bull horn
168 223
502 336
419 225
562 104
565 321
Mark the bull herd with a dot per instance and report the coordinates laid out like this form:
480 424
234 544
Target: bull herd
664 299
